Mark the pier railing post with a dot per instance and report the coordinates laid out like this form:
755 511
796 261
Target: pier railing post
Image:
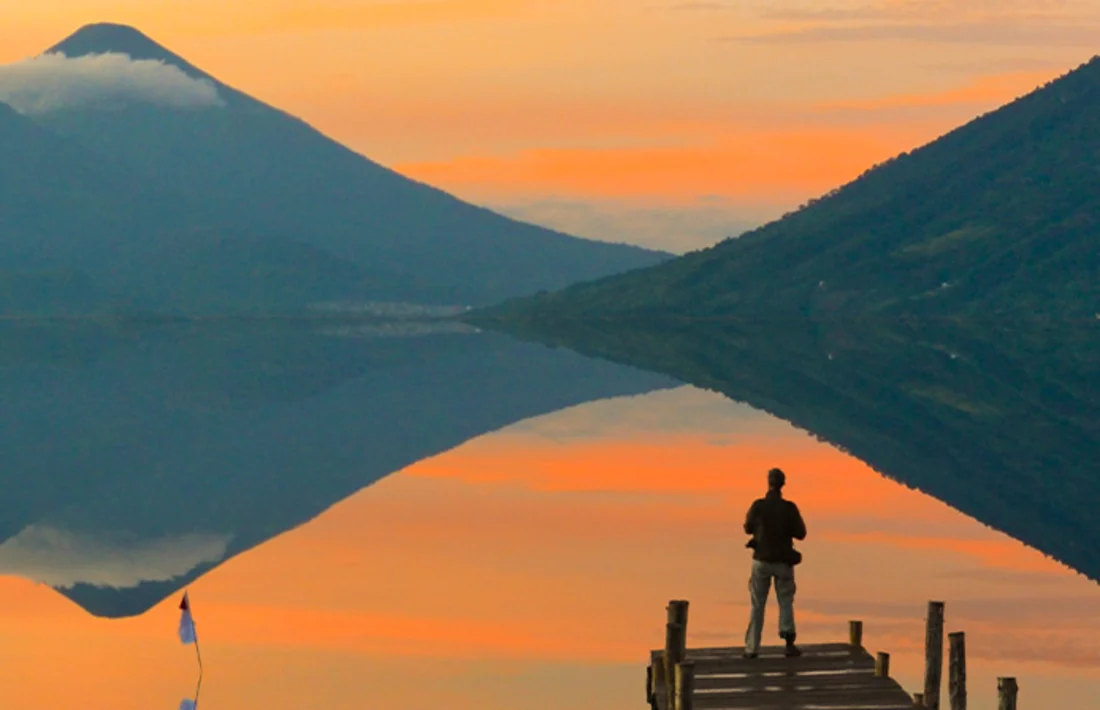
655 678
855 634
673 635
685 686
675 646
678 614
882 665
933 655
1006 693
956 670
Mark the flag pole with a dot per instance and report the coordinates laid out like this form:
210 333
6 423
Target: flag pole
198 653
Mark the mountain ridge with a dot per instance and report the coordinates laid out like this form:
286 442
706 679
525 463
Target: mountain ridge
996 217
107 37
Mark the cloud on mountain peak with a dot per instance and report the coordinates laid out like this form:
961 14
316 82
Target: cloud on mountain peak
52 82
63 559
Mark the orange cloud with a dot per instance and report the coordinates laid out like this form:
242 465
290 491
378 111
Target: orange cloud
999 552
752 165
986 91
282 17
205 17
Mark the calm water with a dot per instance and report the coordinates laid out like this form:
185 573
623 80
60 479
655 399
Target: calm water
541 510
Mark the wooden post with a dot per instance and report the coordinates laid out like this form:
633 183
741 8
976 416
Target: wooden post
918 700
678 614
933 655
956 670
882 665
1006 692
657 679
674 645
855 634
685 685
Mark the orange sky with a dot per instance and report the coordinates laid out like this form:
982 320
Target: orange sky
703 116
521 571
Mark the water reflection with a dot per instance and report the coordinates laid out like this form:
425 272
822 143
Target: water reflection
999 419
134 459
529 568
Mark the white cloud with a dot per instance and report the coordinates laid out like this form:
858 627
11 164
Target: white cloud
51 82
63 559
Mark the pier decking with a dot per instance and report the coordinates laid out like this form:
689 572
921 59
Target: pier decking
832 676
829 676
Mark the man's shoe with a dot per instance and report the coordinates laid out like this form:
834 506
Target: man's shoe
791 651
748 654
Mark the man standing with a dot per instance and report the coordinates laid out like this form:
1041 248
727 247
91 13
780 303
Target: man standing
774 523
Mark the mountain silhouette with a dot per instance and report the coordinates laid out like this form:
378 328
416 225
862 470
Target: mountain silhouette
241 176
997 219
105 37
135 459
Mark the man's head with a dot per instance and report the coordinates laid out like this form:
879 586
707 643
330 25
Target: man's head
776 479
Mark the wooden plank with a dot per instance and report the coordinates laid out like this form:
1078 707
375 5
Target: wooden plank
885 704
755 666
769 684
805 648
808 650
881 696
776 653
873 686
801 680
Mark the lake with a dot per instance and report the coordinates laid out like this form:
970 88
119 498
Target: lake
439 517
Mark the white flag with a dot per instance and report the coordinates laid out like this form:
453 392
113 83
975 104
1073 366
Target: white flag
187 624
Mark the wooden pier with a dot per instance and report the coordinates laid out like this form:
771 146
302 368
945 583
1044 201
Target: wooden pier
830 676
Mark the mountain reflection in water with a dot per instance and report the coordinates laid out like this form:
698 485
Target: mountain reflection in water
133 460
529 568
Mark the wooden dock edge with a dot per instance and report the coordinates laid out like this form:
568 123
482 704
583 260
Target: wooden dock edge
671 680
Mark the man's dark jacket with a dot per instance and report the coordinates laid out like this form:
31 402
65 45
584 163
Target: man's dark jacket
775 524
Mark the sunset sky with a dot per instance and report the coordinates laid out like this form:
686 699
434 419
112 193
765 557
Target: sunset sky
664 122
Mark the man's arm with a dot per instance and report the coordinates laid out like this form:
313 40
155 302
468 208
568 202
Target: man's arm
750 519
798 526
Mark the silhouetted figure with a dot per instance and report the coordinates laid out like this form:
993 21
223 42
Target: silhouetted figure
774 523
